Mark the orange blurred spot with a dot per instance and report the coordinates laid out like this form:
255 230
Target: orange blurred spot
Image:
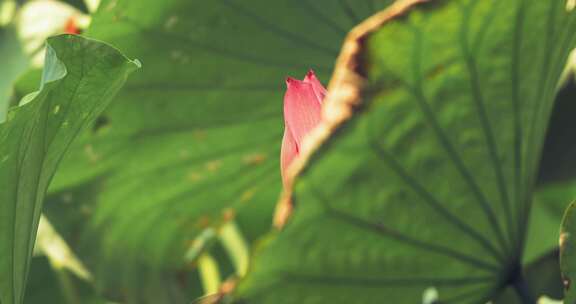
71 27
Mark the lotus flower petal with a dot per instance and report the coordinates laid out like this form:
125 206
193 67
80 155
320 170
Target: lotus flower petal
318 88
288 153
302 109
302 113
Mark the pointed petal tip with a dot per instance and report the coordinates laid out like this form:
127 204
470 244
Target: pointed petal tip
310 76
319 89
293 83
290 80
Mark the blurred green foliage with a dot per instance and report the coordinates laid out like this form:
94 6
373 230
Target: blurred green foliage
433 190
12 54
193 140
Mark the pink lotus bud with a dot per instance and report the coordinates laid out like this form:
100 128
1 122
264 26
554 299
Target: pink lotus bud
302 112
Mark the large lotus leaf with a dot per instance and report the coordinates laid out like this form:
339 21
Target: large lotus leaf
425 192
197 134
80 78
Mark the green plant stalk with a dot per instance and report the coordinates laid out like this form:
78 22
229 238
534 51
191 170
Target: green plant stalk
209 273
67 285
236 246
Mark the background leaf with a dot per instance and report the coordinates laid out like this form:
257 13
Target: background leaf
14 63
80 77
50 286
373 220
558 165
556 186
194 139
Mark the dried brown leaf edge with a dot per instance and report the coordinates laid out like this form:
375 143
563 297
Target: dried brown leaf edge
343 98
